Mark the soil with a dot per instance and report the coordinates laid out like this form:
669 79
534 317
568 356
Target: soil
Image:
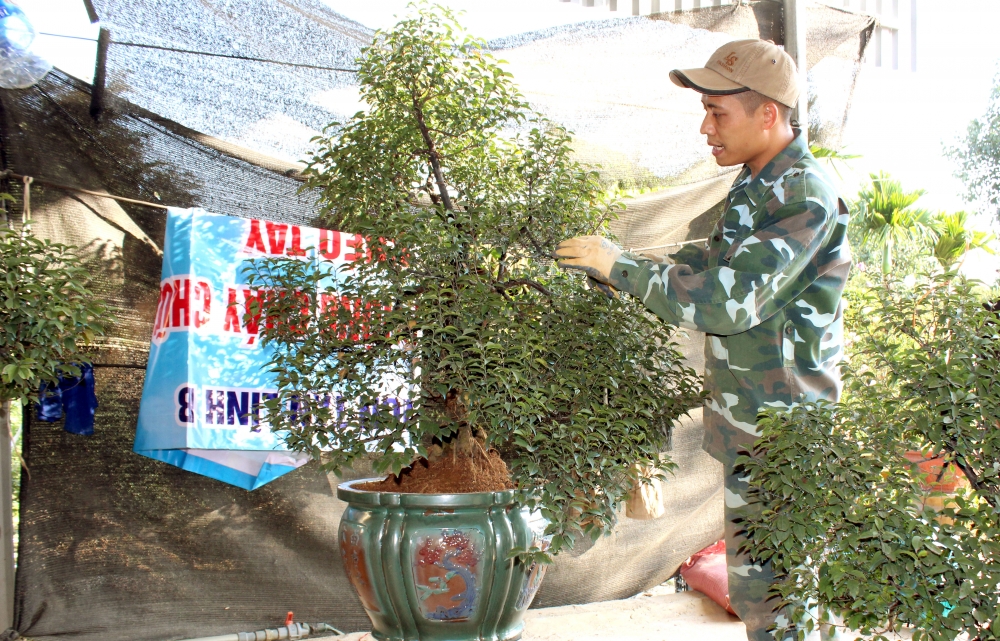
448 475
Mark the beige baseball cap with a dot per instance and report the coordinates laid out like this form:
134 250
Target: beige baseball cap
743 65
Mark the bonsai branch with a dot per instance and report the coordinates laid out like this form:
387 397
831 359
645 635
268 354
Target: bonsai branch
974 480
534 243
524 282
432 155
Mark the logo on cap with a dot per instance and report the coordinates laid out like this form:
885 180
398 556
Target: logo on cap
728 62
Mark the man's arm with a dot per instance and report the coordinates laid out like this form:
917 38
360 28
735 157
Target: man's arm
694 255
765 272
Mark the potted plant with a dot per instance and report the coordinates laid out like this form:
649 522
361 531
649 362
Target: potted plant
488 384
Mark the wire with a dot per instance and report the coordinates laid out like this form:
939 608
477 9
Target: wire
63 35
204 53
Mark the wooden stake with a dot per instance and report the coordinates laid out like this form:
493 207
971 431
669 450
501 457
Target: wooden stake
795 45
6 523
100 74
91 12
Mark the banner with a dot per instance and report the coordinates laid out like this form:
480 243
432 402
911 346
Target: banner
206 377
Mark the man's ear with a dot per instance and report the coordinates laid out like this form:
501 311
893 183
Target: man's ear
769 115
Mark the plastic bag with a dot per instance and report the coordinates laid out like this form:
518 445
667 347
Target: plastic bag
706 572
206 378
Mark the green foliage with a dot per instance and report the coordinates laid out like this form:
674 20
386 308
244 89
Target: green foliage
954 238
832 157
463 308
885 216
978 157
47 313
846 524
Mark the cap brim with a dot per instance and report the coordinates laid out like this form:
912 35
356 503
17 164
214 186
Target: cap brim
705 81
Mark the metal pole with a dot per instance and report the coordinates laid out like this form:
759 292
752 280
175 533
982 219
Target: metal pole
795 45
6 523
100 74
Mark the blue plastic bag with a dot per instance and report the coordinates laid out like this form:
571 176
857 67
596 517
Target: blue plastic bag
75 398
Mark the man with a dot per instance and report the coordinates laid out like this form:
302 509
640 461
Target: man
765 288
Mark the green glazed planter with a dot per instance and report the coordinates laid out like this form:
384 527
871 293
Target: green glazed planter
433 567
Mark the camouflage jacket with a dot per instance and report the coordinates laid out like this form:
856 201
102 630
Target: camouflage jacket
766 289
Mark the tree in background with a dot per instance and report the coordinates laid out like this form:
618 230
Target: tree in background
978 156
885 215
833 158
955 239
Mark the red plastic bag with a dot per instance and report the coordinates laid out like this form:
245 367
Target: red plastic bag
706 572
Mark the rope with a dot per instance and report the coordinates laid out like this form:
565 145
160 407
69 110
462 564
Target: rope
686 242
27 205
28 180
205 53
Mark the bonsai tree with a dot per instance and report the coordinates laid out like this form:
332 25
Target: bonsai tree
454 306
846 525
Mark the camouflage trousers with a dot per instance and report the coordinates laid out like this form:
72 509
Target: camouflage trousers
749 582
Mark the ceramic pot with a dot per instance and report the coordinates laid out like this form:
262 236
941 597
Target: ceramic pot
934 476
941 482
433 567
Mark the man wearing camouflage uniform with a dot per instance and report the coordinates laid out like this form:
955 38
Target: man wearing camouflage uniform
765 288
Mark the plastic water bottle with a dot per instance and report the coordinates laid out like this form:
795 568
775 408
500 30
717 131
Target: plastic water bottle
19 67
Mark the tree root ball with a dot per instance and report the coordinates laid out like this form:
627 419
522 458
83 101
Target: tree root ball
483 472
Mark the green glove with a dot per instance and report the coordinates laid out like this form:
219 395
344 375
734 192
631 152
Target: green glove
593 255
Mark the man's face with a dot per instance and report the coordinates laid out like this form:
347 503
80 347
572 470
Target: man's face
735 137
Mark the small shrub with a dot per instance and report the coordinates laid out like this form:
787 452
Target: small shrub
846 525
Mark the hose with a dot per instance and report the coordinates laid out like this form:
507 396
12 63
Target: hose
293 631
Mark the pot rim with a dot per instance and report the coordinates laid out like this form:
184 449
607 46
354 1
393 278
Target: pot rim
347 492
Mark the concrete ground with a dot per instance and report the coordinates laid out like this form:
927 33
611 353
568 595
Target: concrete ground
678 616
657 615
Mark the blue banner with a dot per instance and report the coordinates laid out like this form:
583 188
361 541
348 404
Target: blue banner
206 377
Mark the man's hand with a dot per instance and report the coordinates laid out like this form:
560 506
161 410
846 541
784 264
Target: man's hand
607 290
593 255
